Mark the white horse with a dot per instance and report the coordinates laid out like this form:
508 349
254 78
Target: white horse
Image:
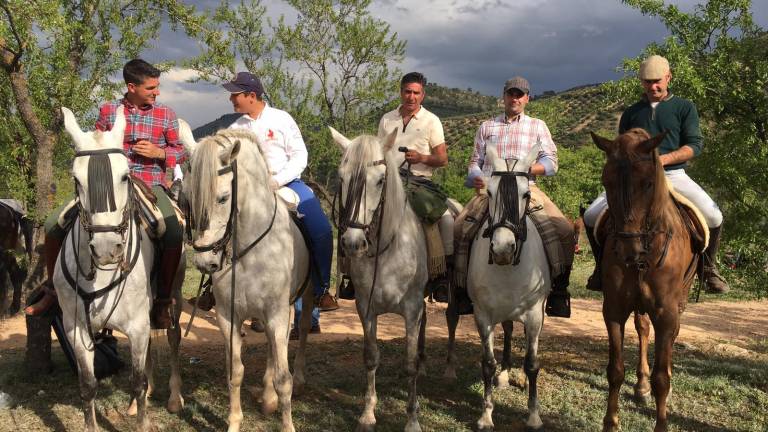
236 214
514 287
102 276
388 257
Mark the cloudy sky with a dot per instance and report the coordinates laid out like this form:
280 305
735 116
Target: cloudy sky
556 44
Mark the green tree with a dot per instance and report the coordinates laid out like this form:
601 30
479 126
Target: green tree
719 59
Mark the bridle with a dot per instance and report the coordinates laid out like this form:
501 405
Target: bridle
649 228
351 205
507 212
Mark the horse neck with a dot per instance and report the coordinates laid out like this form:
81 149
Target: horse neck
256 201
663 211
397 210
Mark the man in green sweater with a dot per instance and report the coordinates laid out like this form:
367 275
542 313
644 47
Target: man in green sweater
659 111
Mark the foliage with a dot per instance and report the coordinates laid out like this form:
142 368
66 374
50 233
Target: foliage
331 68
449 102
61 53
719 60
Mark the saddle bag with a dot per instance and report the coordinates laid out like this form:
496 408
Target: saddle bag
427 199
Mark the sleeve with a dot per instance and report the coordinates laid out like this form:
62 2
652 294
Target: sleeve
690 133
296 151
382 129
174 151
105 119
624 121
478 154
436 136
548 153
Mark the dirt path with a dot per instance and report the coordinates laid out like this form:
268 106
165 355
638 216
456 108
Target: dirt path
716 321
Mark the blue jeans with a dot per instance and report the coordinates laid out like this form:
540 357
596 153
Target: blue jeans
297 315
320 234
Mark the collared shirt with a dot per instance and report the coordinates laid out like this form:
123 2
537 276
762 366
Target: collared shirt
280 141
513 139
155 123
423 132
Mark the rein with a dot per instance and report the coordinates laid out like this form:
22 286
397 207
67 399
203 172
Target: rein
507 214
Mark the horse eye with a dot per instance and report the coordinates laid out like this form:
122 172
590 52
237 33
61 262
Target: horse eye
223 199
125 178
381 181
489 194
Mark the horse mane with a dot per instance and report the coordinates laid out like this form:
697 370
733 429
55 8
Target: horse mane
204 167
368 148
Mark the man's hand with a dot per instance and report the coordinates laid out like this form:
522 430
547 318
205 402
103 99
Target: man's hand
414 157
148 150
478 183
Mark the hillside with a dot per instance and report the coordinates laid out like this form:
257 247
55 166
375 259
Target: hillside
450 102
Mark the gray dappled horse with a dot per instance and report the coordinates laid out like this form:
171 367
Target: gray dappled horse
235 214
102 276
388 257
508 278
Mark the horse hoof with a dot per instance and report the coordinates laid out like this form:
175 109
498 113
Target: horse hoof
484 426
643 399
501 381
298 389
413 426
175 406
268 407
132 408
450 375
365 427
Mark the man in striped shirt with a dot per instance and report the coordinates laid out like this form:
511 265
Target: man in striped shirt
152 144
514 134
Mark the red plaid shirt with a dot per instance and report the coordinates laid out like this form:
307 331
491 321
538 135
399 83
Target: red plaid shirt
513 138
156 123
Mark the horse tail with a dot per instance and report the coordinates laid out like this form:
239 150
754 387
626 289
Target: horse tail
27 229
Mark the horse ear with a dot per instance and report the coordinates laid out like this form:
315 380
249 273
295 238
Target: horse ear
389 140
118 129
71 126
602 143
648 145
492 157
340 139
186 137
532 155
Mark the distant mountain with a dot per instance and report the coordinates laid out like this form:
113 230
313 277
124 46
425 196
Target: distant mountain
214 126
450 102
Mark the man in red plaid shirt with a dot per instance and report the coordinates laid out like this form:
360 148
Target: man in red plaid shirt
152 144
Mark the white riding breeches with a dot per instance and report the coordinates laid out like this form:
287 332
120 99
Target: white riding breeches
682 184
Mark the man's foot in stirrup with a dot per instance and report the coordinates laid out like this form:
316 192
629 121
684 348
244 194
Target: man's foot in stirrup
206 301
440 289
594 283
326 302
559 304
345 289
714 283
45 303
160 316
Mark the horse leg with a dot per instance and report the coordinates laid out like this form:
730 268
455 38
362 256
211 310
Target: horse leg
502 379
485 423
17 279
643 386
299 360
86 376
139 349
149 373
175 400
277 333
235 377
615 370
666 328
452 318
367 420
533 327
422 365
414 336
269 398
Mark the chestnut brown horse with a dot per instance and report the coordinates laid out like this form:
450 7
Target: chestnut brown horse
648 270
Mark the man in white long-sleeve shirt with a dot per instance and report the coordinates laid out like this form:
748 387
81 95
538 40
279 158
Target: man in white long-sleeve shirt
286 155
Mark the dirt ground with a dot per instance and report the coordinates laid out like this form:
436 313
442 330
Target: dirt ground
729 323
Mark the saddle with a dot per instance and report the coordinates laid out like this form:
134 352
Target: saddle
692 219
149 213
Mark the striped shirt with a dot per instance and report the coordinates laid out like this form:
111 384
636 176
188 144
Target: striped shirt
513 139
155 123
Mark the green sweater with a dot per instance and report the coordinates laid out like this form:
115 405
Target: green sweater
677 115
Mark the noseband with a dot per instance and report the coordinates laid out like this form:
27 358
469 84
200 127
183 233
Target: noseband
507 214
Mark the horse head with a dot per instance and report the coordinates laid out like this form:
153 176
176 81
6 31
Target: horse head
632 177
102 184
368 180
508 196
211 191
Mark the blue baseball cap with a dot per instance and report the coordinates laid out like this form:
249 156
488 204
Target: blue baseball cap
245 82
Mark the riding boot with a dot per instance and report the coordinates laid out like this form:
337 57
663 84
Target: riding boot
714 283
441 285
51 249
559 301
326 302
594 283
160 316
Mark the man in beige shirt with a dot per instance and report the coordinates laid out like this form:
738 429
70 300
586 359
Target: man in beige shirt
422 133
